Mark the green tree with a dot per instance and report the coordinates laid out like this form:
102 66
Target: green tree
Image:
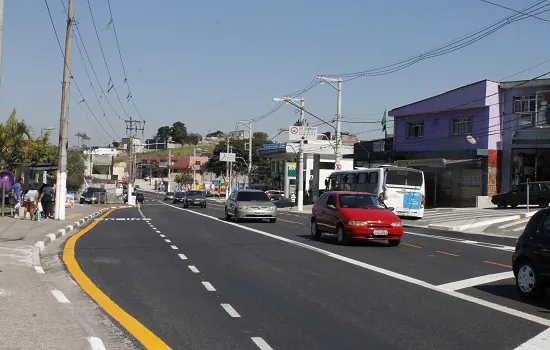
163 132
260 135
184 178
178 131
75 169
193 139
14 137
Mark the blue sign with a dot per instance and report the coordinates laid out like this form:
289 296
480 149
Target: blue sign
274 146
412 200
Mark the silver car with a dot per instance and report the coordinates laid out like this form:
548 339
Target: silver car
250 204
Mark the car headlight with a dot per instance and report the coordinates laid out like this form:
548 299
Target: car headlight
243 207
272 208
357 223
397 224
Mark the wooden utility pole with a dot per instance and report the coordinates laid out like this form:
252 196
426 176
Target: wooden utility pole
61 182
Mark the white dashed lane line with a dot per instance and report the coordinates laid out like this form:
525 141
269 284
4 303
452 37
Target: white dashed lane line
174 247
168 241
209 287
261 343
60 296
182 256
162 236
193 269
230 310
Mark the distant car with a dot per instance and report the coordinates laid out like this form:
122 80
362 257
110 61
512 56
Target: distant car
531 258
250 204
539 194
178 197
355 215
275 195
93 195
196 198
140 198
169 196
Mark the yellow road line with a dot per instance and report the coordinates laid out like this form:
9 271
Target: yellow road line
445 253
139 331
291 222
497 264
411 245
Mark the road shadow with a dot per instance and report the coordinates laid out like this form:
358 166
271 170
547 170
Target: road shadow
331 240
509 291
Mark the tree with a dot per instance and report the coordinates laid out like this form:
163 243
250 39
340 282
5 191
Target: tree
194 139
178 131
75 168
260 135
14 136
184 178
164 132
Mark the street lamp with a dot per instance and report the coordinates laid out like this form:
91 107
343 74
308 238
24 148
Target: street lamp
195 149
300 151
338 87
248 124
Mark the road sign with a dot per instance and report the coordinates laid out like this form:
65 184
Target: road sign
338 167
227 157
297 133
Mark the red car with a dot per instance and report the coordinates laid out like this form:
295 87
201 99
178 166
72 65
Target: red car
355 215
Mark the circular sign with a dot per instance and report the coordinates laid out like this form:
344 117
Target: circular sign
294 130
338 166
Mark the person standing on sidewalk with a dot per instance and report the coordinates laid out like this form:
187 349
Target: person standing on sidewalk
17 190
46 199
31 202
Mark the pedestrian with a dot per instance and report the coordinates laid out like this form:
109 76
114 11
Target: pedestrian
46 199
31 202
17 190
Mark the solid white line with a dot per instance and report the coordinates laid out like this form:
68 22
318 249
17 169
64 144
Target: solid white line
475 281
261 343
39 269
193 269
168 241
60 296
540 342
230 310
162 236
209 287
383 271
183 257
96 343
173 247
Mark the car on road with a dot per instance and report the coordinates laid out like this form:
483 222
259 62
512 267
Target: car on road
531 258
178 197
250 204
140 198
355 215
196 198
93 195
275 195
169 196
539 194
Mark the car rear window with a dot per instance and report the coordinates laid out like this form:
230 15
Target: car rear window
403 177
252 196
194 193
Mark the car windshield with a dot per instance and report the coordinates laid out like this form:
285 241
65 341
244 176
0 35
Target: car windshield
180 194
360 201
194 193
252 196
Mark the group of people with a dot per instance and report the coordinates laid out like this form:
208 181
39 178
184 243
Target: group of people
37 203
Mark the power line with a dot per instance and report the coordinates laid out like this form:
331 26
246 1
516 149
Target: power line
111 82
72 77
130 95
516 11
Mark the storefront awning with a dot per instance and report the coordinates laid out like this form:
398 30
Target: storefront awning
531 136
432 163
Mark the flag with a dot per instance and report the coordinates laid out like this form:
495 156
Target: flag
383 122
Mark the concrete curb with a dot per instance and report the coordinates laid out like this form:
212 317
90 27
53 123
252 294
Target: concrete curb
50 237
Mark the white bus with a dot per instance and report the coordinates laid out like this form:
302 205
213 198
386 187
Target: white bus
403 189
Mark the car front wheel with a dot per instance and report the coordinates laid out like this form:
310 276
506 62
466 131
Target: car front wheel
341 236
315 232
528 281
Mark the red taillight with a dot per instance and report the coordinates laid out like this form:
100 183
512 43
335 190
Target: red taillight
382 196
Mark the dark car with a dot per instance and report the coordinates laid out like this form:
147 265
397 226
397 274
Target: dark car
178 197
139 197
197 198
531 258
539 194
93 195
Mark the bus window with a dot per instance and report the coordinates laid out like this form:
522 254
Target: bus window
339 182
402 177
372 183
349 182
362 178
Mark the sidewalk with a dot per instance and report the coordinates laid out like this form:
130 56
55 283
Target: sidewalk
32 314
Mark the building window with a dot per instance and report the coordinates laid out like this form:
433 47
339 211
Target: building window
525 107
415 129
462 126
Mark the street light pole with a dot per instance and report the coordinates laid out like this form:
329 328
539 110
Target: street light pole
248 124
338 87
300 197
61 176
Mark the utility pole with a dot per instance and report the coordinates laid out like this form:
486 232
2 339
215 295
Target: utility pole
169 170
193 168
248 124
1 34
227 166
300 167
231 172
338 87
132 128
61 176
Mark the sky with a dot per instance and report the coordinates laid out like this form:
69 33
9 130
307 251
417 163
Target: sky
211 63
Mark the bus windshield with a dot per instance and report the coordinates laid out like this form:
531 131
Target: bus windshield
404 177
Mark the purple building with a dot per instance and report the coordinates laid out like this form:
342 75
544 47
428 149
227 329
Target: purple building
453 137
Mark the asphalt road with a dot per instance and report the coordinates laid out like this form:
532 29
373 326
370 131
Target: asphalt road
198 282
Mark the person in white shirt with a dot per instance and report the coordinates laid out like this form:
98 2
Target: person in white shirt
31 202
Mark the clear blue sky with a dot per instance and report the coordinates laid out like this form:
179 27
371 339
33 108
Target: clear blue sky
209 63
